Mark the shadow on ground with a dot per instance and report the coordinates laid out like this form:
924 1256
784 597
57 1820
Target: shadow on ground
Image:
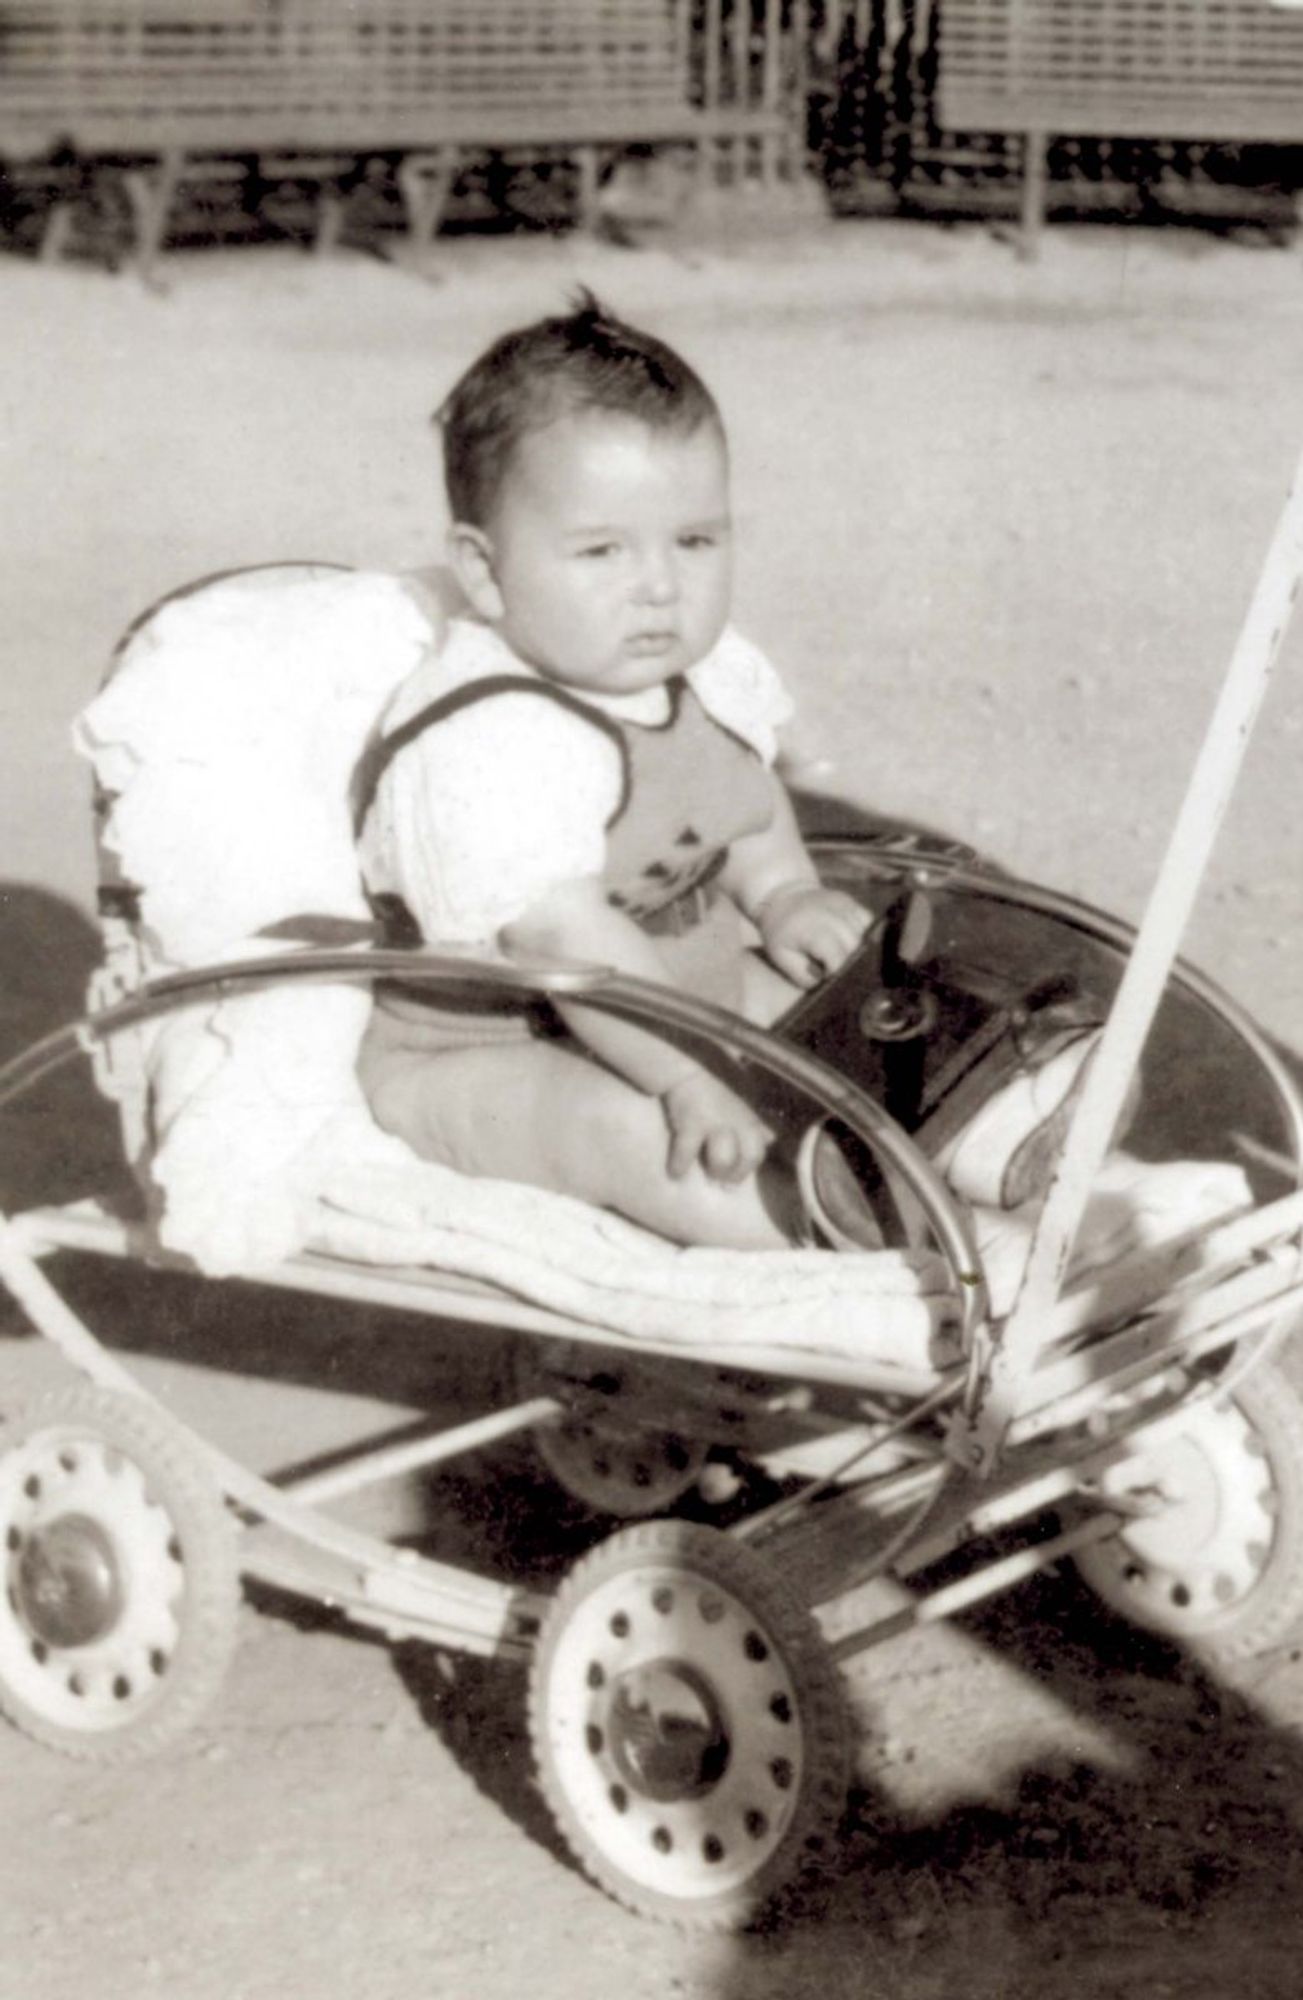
1176 1871
59 1141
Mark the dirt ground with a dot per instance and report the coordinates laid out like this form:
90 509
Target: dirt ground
999 522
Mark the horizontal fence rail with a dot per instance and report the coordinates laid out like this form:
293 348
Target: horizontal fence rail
212 119
217 72
164 92
1231 70
1228 72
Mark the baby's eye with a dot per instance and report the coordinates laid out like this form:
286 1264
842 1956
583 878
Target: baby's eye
599 549
698 539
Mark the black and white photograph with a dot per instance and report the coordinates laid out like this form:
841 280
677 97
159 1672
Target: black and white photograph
651 999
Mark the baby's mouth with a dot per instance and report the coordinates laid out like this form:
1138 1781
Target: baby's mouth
650 645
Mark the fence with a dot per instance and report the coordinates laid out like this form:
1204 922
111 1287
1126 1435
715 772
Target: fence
161 92
1192 105
212 117
1150 70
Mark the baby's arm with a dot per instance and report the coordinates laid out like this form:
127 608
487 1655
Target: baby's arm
807 930
705 1120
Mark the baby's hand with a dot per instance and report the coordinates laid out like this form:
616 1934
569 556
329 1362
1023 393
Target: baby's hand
709 1122
809 931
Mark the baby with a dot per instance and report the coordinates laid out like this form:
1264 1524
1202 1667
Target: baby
585 771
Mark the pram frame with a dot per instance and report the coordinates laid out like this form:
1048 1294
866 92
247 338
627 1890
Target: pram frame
1044 1418
898 1521
410 1597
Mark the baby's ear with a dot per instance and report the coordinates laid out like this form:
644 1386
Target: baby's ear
470 553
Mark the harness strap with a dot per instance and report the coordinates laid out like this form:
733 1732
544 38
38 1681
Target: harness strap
382 750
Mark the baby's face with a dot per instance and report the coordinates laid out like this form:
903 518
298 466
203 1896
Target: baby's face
610 551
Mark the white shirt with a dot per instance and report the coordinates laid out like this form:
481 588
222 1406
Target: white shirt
479 815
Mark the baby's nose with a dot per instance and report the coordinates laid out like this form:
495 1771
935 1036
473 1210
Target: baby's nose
657 580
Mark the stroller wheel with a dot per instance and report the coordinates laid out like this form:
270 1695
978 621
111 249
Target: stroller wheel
624 1472
611 1464
1218 1564
688 1726
121 1585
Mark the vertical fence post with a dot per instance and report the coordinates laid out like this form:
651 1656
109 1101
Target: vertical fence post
799 89
712 67
740 29
771 87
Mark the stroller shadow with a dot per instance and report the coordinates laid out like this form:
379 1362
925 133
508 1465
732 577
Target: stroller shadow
509 1519
60 1140
1172 1868
288 1339
1156 1869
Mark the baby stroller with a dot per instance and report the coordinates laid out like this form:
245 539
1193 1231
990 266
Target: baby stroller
684 1708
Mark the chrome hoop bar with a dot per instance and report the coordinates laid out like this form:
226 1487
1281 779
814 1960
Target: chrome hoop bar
904 859
638 1000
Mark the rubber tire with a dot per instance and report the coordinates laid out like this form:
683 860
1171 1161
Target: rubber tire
202 1542
1272 1607
686 1556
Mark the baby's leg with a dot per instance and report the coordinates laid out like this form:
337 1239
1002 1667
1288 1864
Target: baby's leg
544 1113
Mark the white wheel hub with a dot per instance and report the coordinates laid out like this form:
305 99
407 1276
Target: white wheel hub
1204 1547
675 1730
93 1580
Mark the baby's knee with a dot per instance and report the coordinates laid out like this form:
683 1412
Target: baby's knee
613 1139
628 1154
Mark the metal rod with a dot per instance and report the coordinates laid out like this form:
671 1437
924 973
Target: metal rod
1030 1494
807 1545
468 1609
1129 1288
1016 1503
1000 1385
988 1582
781 1510
417 1454
1166 1348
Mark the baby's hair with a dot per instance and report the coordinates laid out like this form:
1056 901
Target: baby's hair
587 359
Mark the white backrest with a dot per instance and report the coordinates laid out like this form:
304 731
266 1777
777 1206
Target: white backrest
225 740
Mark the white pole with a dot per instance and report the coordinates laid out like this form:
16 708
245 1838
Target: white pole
976 1442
